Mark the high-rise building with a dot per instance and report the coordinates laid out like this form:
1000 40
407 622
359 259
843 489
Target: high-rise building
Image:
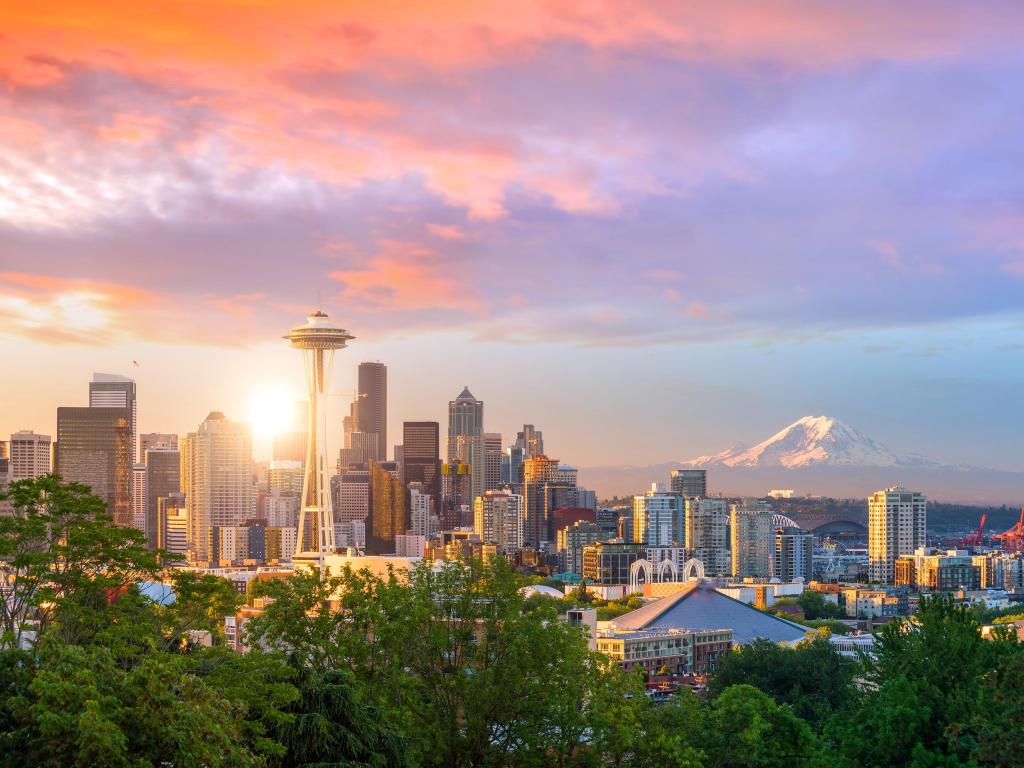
573 538
658 519
139 496
281 510
706 523
512 466
422 519
362 447
163 478
351 494
387 516
290 446
492 461
498 520
372 405
465 438
421 453
216 477
455 494
94 448
538 473
896 526
794 550
286 477
151 440
29 455
752 540
171 526
280 544
530 442
318 340
108 390
690 483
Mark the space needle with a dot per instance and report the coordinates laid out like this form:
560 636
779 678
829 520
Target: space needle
317 339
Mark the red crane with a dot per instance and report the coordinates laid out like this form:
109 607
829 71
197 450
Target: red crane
973 539
1013 539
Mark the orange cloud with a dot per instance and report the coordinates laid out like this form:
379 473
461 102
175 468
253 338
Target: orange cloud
405 276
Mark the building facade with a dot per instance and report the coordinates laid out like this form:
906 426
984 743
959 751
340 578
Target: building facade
752 540
896 526
465 439
108 390
498 520
690 483
707 523
29 455
372 405
216 477
658 519
94 448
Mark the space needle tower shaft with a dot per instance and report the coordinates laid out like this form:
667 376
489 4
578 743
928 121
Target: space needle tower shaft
318 339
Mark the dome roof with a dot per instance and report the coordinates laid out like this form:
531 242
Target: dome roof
541 589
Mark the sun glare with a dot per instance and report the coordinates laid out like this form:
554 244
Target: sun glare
271 411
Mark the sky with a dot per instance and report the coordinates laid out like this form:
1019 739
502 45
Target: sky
654 230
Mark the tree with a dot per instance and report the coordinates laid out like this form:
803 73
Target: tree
82 708
746 729
815 606
813 678
937 692
201 601
63 560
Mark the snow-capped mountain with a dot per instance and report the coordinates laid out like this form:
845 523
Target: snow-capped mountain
812 441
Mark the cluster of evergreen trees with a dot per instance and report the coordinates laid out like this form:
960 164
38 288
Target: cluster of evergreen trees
446 668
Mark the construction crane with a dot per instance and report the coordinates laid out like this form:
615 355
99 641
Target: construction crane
973 539
1013 539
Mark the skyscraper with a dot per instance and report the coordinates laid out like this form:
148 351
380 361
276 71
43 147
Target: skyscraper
706 523
690 483
530 442
492 460
108 390
421 453
465 438
216 477
94 447
751 532
150 440
163 479
387 516
372 405
793 554
363 447
538 473
498 519
29 454
139 496
896 526
658 519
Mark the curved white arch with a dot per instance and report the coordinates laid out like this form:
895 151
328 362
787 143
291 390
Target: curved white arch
634 574
693 569
668 566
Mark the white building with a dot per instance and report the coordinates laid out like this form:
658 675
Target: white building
706 525
216 477
498 520
410 545
896 526
422 518
281 509
29 455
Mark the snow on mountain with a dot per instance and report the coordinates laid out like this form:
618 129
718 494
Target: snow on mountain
812 441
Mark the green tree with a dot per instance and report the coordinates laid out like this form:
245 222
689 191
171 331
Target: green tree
815 606
747 729
812 678
63 561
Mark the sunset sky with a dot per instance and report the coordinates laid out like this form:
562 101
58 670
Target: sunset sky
651 229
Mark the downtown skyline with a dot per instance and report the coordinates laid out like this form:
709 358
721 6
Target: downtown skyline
718 228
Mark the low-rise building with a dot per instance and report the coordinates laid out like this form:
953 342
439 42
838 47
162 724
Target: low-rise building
681 651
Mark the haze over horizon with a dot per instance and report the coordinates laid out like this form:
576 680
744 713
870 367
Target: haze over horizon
653 234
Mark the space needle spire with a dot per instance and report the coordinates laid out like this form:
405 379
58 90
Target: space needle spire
317 339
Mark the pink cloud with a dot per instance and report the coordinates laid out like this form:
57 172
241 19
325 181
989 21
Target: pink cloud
1015 268
446 231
